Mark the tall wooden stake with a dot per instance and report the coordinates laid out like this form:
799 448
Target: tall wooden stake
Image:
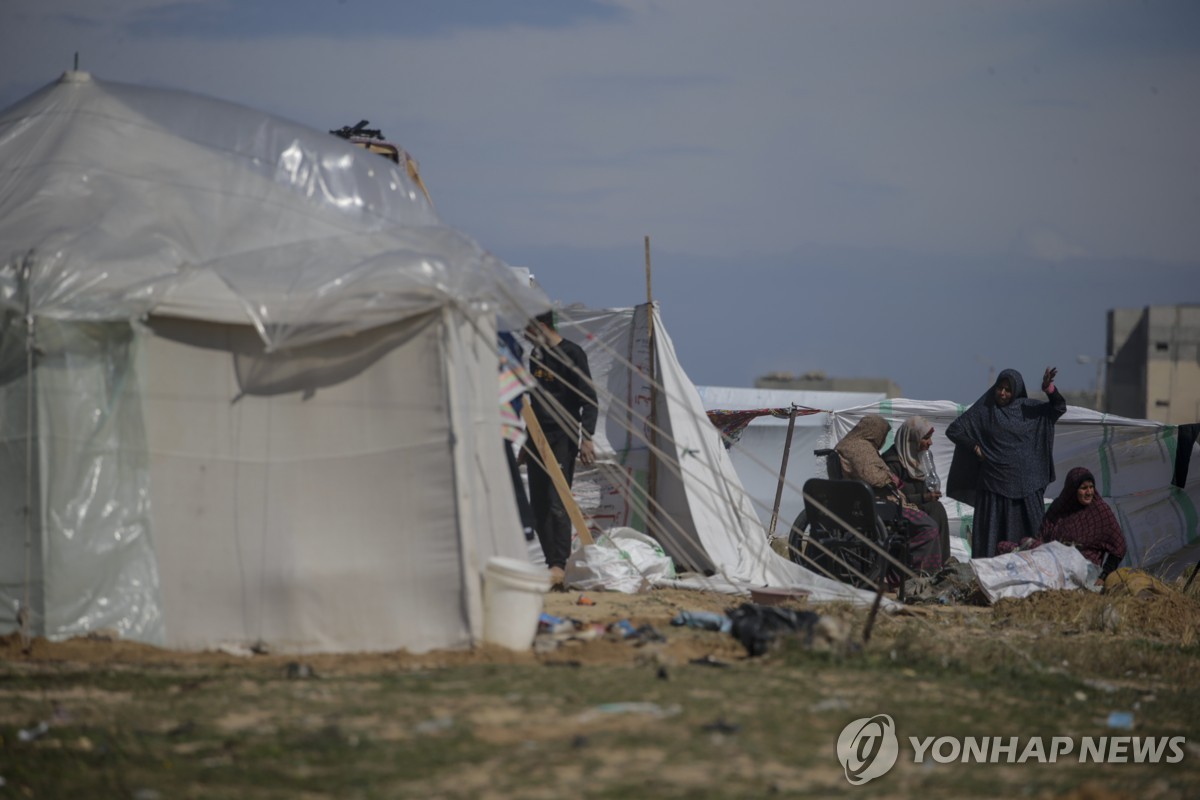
556 475
787 449
652 474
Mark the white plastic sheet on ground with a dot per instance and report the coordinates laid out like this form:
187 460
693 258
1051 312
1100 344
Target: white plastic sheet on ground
621 560
1051 566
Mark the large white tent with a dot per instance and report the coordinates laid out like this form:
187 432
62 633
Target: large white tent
248 383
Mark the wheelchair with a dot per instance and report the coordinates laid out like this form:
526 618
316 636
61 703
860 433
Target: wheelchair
819 543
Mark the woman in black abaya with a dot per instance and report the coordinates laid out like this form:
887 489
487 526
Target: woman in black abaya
1004 460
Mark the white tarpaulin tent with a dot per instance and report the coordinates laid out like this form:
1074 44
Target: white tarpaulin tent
703 516
1133 461
759 451
248 383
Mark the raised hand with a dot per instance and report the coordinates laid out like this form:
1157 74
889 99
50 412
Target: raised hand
1048 378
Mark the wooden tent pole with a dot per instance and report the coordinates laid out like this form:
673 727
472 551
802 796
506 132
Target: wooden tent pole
556 475
787 449
652 473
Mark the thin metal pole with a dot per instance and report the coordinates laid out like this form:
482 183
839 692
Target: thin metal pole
30 344
787 449
652 468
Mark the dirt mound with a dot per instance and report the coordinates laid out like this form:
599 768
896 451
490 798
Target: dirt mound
1173 617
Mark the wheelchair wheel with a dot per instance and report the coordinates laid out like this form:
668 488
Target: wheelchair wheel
838 554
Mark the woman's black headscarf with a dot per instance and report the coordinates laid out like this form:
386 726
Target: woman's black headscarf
1017 442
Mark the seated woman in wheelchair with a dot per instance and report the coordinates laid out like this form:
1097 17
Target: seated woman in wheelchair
858 454
905 458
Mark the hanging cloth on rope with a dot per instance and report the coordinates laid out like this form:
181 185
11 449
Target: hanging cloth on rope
732 423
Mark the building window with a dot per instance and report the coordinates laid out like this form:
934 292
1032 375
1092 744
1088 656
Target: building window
1163 403
1162 347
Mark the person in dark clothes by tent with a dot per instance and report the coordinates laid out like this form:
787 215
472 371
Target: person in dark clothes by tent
564 403
1004 460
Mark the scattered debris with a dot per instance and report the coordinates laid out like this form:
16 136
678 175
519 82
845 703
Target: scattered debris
235 649
830 704
703 620
653 710
710 661
35 732
296 669
721 726
757 627
435 725
1122 720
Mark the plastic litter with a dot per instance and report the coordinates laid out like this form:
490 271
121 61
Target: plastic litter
623 628
704 620
830 704
721 726
757 626
1122 720
296 669
36 732
547 623
709 661
645 709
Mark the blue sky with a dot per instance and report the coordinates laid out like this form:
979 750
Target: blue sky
923 189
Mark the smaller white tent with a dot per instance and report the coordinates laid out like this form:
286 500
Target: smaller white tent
758 455
701 514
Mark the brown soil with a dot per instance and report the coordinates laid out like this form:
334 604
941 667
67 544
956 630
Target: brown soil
1173 618
655 608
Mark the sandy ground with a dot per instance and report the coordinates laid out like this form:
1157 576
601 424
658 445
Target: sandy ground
1170 619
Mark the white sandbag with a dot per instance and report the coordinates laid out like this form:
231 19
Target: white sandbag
603 567
644 552
1051 566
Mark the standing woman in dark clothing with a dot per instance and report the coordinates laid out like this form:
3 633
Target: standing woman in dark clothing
1004 460
905 459
564 402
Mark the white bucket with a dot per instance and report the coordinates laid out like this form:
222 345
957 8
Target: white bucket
513 592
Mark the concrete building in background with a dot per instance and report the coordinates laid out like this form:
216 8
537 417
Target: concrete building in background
820 382
1154 363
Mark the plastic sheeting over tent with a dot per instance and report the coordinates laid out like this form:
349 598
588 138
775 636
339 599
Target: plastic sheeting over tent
247 382
117 200
701 514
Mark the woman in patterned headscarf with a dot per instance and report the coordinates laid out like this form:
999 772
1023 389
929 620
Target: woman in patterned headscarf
1079 516
858 452
1004 460
904 458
